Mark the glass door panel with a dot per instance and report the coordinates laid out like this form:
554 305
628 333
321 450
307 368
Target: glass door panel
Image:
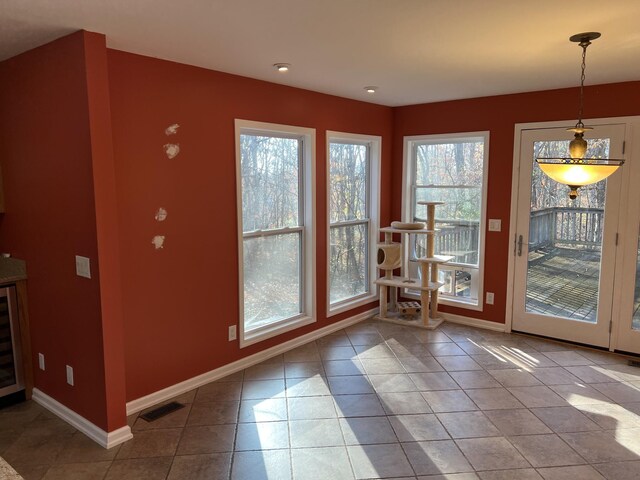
565 249
565 240
627 311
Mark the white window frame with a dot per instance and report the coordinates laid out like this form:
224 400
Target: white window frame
375 147
308 254
408 172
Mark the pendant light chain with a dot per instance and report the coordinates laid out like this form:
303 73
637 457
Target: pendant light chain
584 44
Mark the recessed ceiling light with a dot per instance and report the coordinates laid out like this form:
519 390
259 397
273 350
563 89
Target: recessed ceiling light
282 67
370 89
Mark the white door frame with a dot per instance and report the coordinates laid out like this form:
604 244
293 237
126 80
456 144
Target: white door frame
623 337
632 156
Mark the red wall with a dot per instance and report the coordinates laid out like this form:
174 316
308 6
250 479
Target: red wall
47 154
179 301
499 115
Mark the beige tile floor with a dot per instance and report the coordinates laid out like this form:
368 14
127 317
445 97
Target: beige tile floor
373 401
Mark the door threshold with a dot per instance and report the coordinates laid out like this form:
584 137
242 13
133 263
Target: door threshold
577 344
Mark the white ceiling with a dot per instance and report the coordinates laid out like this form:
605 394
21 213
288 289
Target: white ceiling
415 51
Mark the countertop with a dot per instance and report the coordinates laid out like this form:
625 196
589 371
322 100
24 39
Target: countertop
12 270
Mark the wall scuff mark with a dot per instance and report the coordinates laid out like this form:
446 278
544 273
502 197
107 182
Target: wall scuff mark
172 150
172 129
158 241
161 215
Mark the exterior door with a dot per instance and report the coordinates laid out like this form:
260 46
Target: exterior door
626 309
565 250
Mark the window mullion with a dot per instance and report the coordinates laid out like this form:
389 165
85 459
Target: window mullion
349 223
271 232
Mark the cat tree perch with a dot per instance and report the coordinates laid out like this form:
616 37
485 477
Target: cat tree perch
395 255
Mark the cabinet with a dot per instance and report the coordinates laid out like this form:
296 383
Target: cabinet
15 346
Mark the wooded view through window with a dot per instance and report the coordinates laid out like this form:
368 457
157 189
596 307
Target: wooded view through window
273 228
565 239
349 218
451 170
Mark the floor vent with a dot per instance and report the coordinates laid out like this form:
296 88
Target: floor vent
159 412
634 363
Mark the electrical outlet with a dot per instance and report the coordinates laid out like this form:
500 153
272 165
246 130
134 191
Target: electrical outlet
83 267
232 332
70 375
41 361
489 298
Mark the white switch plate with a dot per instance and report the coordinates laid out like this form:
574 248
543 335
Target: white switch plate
41 361
489 298
83 266
70 375
495 224
232 332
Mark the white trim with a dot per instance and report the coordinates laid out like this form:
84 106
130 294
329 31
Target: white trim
141 403
407 174
513 228
309 315
374 143
473 322
105 439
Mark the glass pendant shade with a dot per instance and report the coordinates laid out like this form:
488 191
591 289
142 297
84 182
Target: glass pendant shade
578 174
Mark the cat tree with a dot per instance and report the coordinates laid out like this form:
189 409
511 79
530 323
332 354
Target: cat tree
396 255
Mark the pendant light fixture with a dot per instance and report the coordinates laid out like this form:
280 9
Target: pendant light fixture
577 170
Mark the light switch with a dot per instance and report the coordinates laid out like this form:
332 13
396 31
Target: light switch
83 267
495 225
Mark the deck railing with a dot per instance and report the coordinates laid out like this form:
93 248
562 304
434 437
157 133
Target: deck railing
548 227
455 237
566 226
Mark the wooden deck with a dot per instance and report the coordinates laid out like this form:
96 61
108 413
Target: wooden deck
564 282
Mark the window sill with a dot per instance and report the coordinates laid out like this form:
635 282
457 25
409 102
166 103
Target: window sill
269 331
351 304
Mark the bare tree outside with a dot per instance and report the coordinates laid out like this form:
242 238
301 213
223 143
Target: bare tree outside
271 223
349 220
451 171
565 239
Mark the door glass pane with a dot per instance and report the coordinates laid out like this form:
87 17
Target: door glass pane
272 280
348 272
635 324
565 240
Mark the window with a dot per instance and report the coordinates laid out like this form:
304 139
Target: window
275 223
353 186
451 169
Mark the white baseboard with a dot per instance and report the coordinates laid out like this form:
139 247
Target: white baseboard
105 439
473 322
152 399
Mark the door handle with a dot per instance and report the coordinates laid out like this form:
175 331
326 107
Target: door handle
520 245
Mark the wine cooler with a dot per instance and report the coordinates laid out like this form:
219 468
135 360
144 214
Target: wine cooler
11 379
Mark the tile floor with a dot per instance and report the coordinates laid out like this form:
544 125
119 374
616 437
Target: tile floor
373 401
